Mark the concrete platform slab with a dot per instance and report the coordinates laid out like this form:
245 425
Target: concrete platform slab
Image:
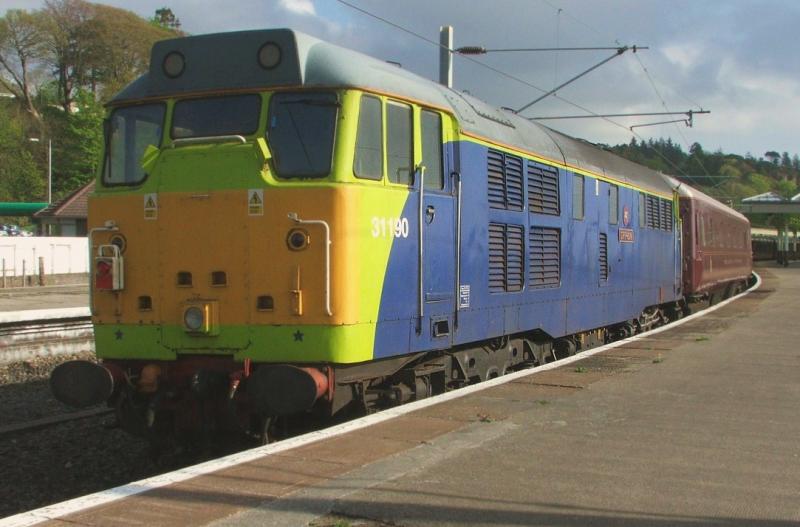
46 297
694 426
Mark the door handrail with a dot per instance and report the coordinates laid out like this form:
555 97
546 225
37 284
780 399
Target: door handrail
295 218
420 253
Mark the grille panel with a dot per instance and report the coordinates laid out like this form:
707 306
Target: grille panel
504 176
545 257
603 256
543 190
506 258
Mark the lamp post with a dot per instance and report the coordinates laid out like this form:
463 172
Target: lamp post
49 167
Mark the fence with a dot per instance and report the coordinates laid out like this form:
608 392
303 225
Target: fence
24 258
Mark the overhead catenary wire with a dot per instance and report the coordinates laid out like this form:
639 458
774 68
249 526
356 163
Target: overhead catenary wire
474 61
508 75
558 37
664 105
633 114
619 52
560 10
480 50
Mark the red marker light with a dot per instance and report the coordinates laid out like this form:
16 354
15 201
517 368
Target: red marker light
104 275
103 268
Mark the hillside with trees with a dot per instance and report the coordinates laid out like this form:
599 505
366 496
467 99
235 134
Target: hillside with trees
58 66
726 177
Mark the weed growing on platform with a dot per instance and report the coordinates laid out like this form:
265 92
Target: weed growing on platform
580 369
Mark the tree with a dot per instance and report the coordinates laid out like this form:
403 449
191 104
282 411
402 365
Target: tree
67 36
20 178
77 152
96 47
772 156
786 189
119 50
60 62
20 50
166 19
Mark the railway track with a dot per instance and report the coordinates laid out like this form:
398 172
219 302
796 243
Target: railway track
25 335
54 420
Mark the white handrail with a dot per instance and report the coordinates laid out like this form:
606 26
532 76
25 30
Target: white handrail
293 216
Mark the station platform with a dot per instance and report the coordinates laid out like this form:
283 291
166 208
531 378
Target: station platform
694 425
44 297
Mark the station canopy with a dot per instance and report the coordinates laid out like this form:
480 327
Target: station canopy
20 209
770 203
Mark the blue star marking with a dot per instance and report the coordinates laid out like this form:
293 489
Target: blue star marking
298 337
118 334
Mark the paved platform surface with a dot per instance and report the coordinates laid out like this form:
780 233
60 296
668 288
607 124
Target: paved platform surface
46 297
698 425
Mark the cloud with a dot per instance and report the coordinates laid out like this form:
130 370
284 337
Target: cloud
686 56
299 7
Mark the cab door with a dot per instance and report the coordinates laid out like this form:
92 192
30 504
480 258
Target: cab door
437 217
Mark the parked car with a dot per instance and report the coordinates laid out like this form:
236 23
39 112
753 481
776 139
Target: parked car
13 230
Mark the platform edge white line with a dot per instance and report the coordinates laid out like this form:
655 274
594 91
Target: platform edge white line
35 315
58 510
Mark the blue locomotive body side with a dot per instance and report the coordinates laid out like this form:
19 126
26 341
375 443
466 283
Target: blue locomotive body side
602 277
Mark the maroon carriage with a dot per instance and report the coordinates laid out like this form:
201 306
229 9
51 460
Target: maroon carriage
717 255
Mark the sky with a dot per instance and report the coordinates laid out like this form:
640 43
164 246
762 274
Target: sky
739 59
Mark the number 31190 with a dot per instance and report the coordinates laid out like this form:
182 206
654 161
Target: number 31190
389 227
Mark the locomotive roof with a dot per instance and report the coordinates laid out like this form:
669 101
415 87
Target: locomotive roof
230 61
685 191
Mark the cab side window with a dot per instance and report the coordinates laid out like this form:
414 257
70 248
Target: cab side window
613 204
399 143
577 196
431 123
368 162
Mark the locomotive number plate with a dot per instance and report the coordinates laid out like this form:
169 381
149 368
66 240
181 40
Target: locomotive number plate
389 227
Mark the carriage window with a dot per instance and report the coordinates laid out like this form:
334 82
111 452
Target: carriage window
703 231
613 206
368 162
577 197
432 149
130 130
300 130
399 143
230 115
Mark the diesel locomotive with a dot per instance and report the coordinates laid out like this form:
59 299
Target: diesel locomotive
283 227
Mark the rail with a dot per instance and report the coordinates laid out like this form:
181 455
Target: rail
42 335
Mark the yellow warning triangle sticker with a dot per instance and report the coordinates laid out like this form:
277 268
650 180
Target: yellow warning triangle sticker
149 204
254 199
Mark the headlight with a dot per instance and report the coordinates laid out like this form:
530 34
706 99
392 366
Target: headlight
120 241
173 65
269 55
297 239
193 318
